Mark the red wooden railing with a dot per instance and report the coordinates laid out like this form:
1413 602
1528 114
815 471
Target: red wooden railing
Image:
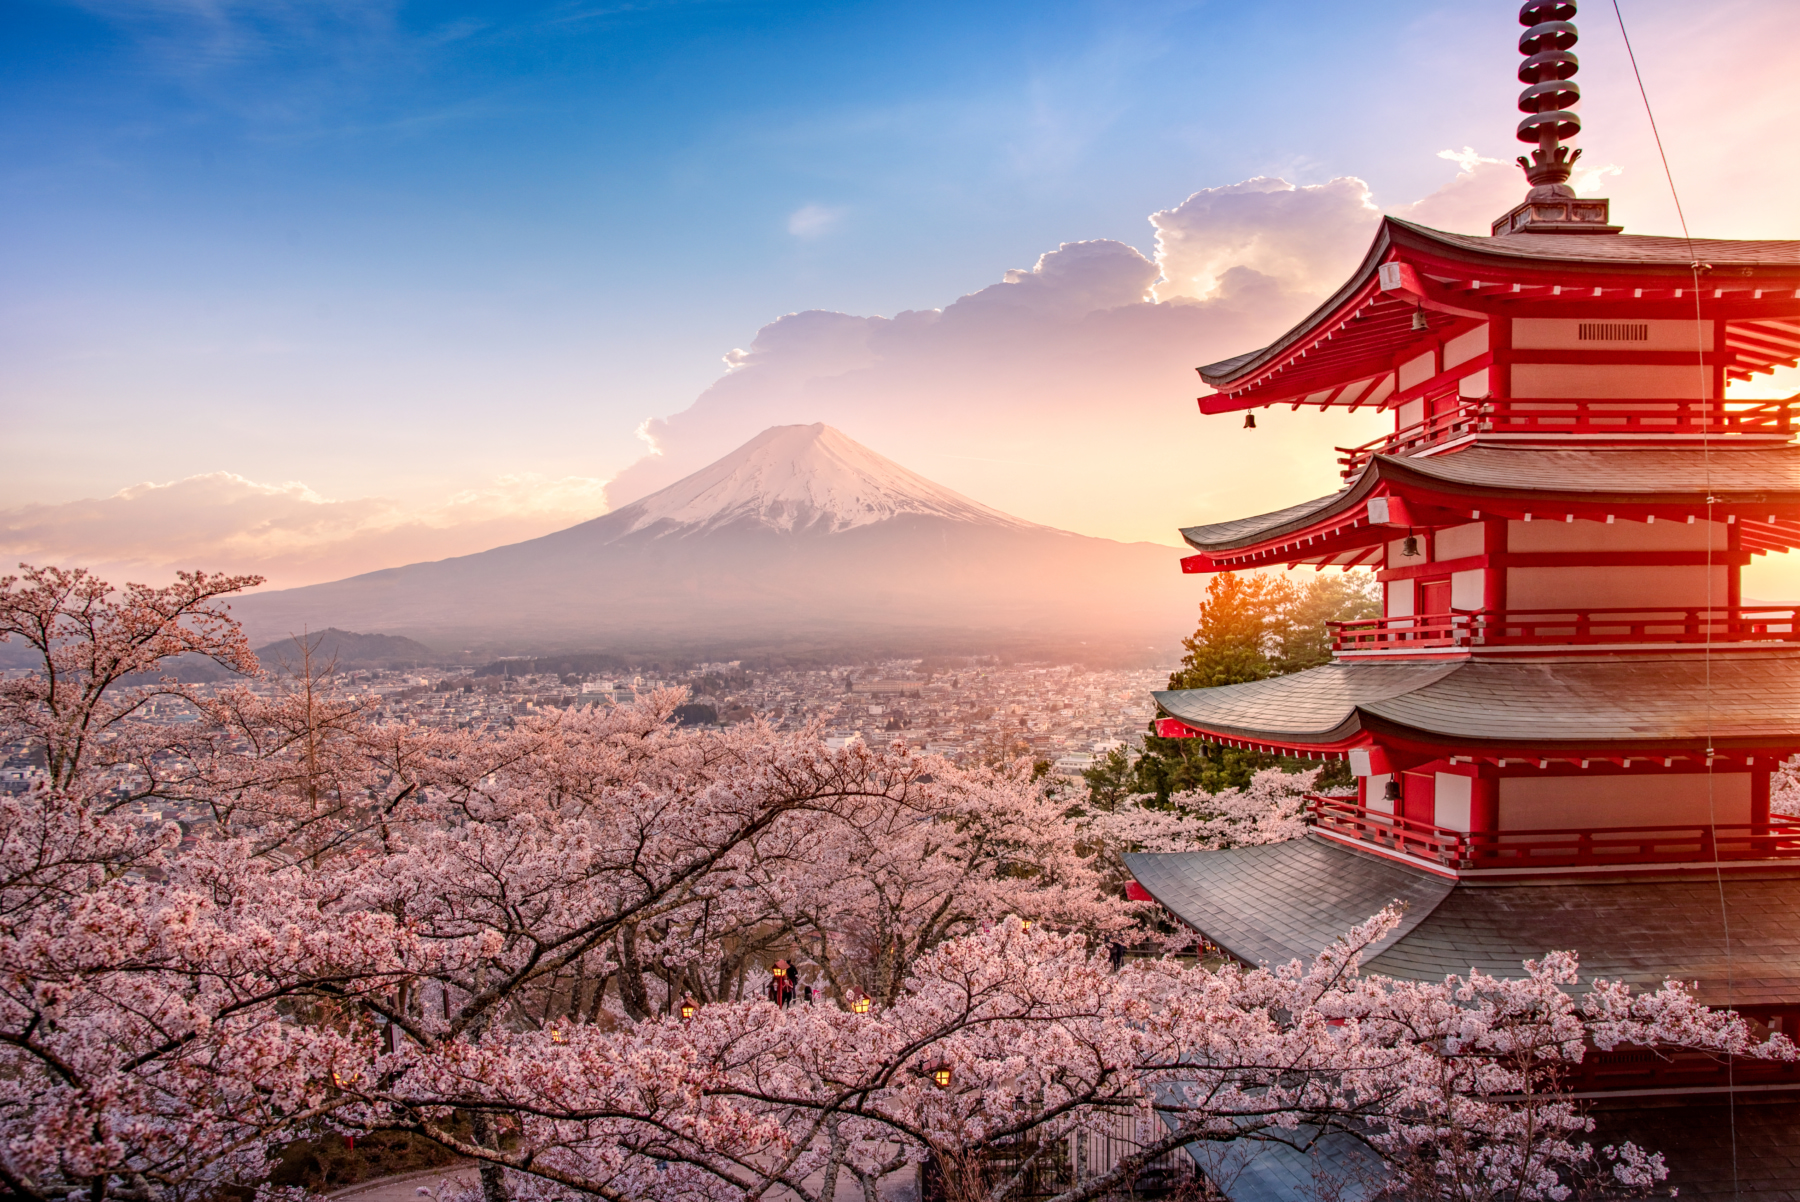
1347 816
1566 847
1589 419
1635 1068
1571 627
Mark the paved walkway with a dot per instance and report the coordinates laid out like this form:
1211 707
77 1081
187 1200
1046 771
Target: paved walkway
403 1187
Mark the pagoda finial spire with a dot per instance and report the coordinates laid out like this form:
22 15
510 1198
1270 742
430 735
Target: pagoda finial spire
1551 207
1548 73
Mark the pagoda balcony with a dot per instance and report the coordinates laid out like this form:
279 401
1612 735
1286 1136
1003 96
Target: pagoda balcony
1547 419
1646 626
1561 848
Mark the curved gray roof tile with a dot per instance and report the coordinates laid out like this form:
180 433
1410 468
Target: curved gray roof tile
1647 473
1639 932
1637 249
1311 706
1252 529
1625 476
1736 696
1286 901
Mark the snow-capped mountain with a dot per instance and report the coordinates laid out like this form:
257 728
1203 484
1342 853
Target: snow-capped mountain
791 478
802 536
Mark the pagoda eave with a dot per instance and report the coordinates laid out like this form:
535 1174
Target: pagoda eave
1757 490
1593 706
1416 286
1277 902
1599 754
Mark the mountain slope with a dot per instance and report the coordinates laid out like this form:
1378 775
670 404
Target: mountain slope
346 649
801 536
797 478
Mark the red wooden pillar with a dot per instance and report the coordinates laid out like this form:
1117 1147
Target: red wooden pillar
1484 813
1715 363
1493 577
1734 588
1500 346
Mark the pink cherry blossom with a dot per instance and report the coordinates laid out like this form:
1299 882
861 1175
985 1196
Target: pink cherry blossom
485 940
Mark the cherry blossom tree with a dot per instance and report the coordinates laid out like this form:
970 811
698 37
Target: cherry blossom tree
489 886
159 1034
1784 789
484 941
146 1026
1010 1037
1270 809
92 640
489 905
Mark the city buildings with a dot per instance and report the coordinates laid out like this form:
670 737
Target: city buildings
1062 714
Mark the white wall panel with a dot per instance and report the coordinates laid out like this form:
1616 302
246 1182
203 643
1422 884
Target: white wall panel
1612 587
1454 801
1611 381
1551 533
1459 542
1652 799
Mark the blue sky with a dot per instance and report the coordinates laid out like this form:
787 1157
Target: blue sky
582 206
405 250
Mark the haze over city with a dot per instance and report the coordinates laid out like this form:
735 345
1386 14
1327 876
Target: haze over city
314 291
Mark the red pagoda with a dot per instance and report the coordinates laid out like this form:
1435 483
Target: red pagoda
1564 724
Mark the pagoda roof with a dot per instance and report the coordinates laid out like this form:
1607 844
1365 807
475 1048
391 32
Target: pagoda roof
1285 901
1340 352
1221 536
1726 699
1277 902
1644 250
1615 475
1671 478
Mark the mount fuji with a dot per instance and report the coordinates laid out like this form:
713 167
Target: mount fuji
800 538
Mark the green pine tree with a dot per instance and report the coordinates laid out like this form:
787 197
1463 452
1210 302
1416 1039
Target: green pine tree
1251 628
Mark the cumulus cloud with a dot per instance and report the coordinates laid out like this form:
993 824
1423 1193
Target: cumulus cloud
1299 239
1483 189
1064 393
221 521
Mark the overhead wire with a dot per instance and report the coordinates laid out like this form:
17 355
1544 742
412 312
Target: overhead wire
1711 406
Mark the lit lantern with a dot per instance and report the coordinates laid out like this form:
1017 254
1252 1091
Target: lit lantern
556 1035
1025 924
689 1007
860 1004
780 971
939 1074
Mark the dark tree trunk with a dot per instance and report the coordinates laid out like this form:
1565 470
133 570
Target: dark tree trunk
631 976
493 1177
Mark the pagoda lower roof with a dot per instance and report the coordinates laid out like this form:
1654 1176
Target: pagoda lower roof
1287 901
1662 476
1725 700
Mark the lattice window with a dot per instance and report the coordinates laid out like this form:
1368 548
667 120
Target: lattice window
1612 331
